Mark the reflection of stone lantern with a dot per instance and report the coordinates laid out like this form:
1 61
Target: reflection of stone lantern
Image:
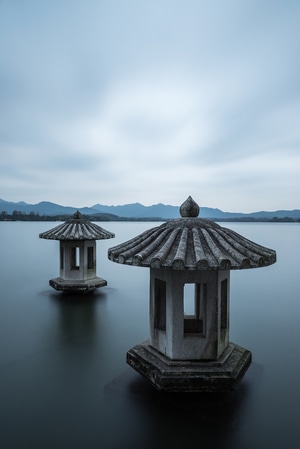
77 254
190 261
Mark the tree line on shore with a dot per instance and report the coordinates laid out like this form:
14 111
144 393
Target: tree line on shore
35 216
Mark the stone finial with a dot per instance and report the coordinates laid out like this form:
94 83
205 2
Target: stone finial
189 208
77 215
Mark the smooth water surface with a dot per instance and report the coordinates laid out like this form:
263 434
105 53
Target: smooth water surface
64 382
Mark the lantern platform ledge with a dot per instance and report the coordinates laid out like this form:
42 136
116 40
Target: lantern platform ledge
78 286
168 375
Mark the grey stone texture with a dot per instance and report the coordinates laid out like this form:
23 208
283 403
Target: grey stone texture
77 228
87 286
192 243
190 261
187 376
77 238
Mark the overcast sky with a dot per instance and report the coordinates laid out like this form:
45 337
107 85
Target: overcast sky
122 101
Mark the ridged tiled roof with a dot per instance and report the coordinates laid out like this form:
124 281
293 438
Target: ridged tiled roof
77 229
192 243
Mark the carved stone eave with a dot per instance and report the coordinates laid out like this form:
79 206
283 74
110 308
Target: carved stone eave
77 228
192 244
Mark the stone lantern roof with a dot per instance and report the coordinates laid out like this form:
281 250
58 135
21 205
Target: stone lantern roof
192 243
77 228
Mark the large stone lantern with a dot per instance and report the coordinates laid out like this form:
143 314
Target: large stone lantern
77 254
190 261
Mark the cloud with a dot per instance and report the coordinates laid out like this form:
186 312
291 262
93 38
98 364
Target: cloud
150 101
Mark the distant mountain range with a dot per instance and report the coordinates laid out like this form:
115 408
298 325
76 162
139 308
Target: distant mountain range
138 211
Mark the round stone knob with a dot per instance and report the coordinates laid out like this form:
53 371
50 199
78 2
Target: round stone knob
189 208
77 215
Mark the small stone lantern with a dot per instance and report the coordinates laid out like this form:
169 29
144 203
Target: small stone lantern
190 261
77 254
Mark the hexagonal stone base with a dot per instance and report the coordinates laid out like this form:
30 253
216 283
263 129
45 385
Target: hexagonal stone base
76 286
169 375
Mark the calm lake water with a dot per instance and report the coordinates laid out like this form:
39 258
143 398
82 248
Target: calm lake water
64 381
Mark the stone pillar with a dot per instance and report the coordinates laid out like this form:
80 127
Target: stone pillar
194 327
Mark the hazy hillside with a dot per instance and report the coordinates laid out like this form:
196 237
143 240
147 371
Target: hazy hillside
43 208
137 210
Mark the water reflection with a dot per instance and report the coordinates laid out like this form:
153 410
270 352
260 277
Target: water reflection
63 374
77 316
179 418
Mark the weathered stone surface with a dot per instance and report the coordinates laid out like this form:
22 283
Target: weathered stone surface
77 228
77 254
190 261
192 243
170 324
85 286
168 375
